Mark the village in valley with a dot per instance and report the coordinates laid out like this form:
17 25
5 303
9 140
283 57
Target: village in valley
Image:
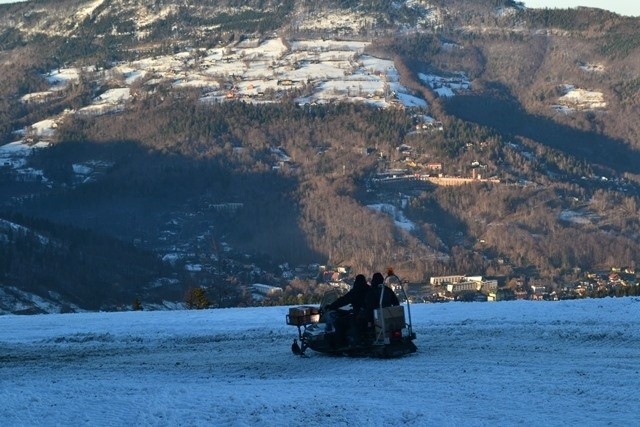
615 282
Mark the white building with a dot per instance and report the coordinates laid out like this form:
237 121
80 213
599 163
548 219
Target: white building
439 280
266 290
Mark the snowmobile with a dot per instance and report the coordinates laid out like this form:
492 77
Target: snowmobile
389 335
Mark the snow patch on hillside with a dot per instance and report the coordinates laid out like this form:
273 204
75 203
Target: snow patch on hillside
579 99
446 86
400 220
44 128
60 78
8 226
14 300
111 101
576 217
14 155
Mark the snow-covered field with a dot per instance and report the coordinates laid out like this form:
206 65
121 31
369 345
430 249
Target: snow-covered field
579 99
508 363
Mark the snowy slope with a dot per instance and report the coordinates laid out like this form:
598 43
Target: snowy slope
509 363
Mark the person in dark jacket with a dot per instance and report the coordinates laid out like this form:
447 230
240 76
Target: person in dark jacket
372 301
350 321
355 296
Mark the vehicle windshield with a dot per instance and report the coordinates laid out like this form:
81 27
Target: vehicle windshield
396 286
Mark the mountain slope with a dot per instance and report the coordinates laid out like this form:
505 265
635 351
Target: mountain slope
239 136
73 269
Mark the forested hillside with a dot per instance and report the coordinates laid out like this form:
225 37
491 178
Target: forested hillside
544 103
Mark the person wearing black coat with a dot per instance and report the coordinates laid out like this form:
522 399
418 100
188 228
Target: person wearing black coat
372 300
355 296
350 321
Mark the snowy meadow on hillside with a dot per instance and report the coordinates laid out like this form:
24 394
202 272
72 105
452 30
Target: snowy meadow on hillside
508 363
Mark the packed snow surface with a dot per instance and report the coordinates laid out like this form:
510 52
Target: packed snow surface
478 364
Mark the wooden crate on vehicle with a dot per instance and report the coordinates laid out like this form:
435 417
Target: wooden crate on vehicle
303 315
393 318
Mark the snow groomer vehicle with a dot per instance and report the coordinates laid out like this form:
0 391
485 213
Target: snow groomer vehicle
386 333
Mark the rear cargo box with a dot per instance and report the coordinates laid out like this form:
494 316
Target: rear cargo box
303 315
393 318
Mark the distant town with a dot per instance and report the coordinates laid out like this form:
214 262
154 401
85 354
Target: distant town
615 282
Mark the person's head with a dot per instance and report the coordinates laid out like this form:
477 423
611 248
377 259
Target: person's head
360 281
377 279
